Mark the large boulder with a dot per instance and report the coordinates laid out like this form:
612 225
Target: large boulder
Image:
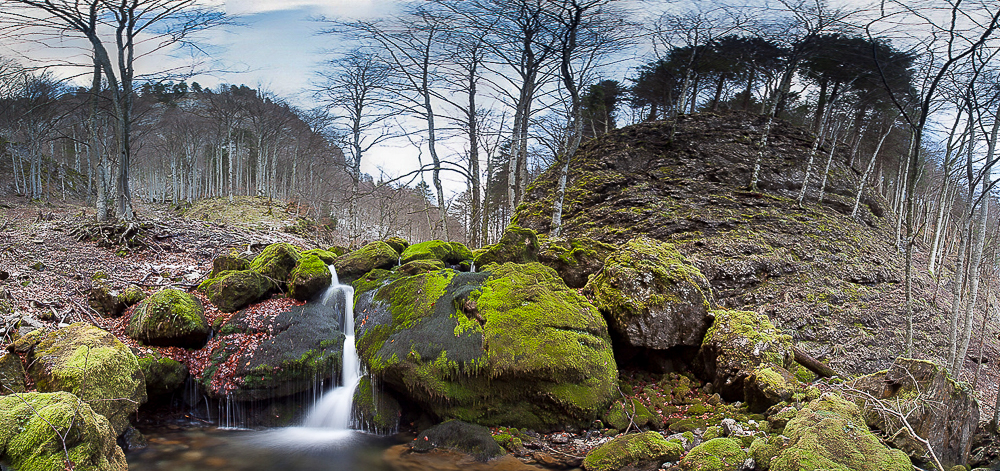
12 378
231 291
170 318
41 431
377 254
767 386
90 363
574 259
736 345
652 296
717 454
830 433
638 450
231 262
510 345
263 354
310 277
451 253
516 245
398 244
110 302
276 262
326 256
939 409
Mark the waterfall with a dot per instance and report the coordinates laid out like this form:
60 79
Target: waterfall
333 411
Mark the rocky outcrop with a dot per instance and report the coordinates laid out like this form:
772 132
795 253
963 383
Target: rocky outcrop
310 277
510 345
375 410
374 255
90 363
645 450
574 259
40 431
652 297
939 409
170 317
231 291
737 344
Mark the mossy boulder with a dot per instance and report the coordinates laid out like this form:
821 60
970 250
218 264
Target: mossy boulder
110 302
338 250
737 344
234 290
276 261
231 262
451 253
516 245
622 414
417 267
310 277
510 345
374 409
377 254
463 437
170 317
54 431
767 386
163 375
326 256
574 259
652 296
764 449
398 244
717 454
12 377
264 355
938 408
637 450
90 363
830 433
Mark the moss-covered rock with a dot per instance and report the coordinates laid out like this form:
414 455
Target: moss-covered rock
163 375
170 317
574 259
737 344
463 437
276 262
652 296
338 250
12 377
398 244
234 290
374 409
830 433
767 386
451 253
639 450
764 449
516 245
326 256
718 454
231 262
621 414
105 300
54 431
511 345
310 277
417 267
377 254
90 363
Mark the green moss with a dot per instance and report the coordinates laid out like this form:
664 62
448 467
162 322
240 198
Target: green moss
12 377
276 261
517 245
231 262
234 290
687 425
325 255
448 252
163 375
417 267
765 449
169 317
719 454
737 343
375 410
622 415
375 255
803 374
310 277
640 449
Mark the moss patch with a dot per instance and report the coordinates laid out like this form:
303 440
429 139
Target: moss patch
234 290
718 454
640 449
276 261
374 255
517 245
737 343
310 277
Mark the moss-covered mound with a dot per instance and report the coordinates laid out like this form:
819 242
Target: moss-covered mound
326 256
55 431
170 318
737 344
276 262
717 454
11 374
259 354
472 439
652 296
510 345
517 245
417 267
638 450
310 277
163 375
374 409
377 254
234 290
90 363
830 433
451 253
631 412
574 259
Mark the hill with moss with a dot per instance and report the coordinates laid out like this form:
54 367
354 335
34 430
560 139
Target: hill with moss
832 281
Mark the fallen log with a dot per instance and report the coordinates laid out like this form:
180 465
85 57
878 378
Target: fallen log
813 364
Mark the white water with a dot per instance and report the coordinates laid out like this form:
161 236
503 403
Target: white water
333 411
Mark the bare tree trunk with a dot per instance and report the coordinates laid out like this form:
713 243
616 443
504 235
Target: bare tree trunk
829 160
868 171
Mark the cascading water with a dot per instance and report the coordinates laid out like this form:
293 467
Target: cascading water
333 411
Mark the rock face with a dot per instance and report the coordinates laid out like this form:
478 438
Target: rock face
652 296
830 433
231 291
638 450
574 259
310 277
940 410
736 345
11 374
170 317
270 356
472 439
374 255
374 410
90 363
509 345
31 425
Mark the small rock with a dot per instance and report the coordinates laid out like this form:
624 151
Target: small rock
560 438
731 428
38 266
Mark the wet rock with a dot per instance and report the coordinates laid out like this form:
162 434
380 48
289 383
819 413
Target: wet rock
941 410
170 317
460 436
375 410
163 375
